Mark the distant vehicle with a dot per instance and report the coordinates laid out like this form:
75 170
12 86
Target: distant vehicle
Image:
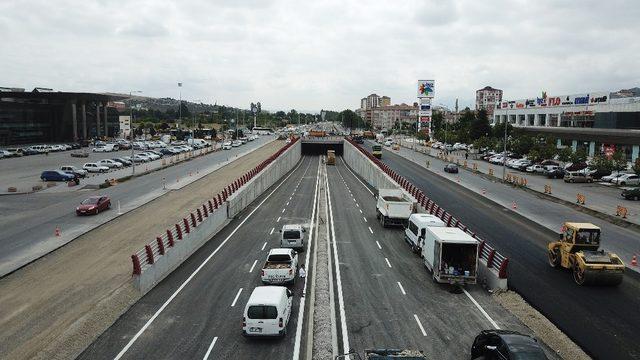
451 255
198 143
267 311
292 236
451 168
93 205
80 154
262 131
614 175
226 145
110 163
281 267
415 232
243 139
577 177
393 207
151 155
506 344
74 170
238 143
105 148
631 194
358 139
557 173
139 158
331 157
537 168
376 151
95 168
56 148
627 179
5 154
56 175
122 161
380 138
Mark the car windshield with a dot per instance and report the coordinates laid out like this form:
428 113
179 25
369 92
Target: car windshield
291 234
90 201
588 237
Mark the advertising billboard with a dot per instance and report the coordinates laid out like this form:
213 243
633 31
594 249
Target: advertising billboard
426 88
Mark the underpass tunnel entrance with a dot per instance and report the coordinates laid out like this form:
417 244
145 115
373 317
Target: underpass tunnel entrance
317 147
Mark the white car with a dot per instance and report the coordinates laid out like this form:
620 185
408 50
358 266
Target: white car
536 168
110 163
236 143
267 311
105 148
614 175
141 158
388 143
627 179
151 155
496 159
95 168
74 170
58 148
226 145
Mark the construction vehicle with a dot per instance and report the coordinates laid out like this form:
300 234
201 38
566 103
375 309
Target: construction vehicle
331 157
317 133
376 150
368 135
394 207
385 354
578 250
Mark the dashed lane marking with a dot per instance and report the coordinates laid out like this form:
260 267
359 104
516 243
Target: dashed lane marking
424 333
236 298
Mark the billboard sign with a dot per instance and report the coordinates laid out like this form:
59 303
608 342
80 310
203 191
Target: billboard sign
426 88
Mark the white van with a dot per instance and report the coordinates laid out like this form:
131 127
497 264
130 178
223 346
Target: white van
267 312
414 233
292 236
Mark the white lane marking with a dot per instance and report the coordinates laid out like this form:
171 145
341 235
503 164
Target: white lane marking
206 356
495 325
424 333
271 232
236 298
401 288
197 270
365 219
357 178
357 205
354 200
283 210
264 246
252 266
278 219
290 197
387 260
377 243
287 203
343 316
360 211
371 231
298 340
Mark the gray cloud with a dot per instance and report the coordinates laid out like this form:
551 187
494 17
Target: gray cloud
313 55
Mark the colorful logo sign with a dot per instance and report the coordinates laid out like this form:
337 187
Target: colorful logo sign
426 88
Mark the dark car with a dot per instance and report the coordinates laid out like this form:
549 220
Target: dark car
557 173
93 205
600 173
576 166
524 165
166 151
631 194
506 344
124 162
451 168
56 175
75 146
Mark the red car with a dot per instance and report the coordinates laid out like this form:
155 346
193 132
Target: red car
93 205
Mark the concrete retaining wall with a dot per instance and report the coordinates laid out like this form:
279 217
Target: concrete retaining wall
264 180
183 249
377 178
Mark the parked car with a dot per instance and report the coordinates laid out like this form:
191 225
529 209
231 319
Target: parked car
75 146
451 168
236 143
93 205
122 161
56 175
524 164
557 173
95 168
597 173
105 148
575 166
74 170
226 145
506 344
110 163
627 179
631 194
139 158
577 177
537 168
613 175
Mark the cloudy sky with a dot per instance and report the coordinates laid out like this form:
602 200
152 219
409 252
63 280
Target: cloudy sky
320 54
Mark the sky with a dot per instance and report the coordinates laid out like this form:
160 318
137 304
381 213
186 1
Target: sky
312 55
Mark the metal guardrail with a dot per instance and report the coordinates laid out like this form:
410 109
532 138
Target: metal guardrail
151 252
493 258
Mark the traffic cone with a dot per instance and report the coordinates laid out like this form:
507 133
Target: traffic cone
484 191
57 231
634 261
458 179
514 206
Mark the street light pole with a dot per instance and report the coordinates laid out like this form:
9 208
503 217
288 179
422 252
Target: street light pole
133 163
504 153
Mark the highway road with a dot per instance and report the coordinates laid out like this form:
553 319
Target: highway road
585 314
28 221
202 302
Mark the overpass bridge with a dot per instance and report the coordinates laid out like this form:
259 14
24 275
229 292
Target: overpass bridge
320 145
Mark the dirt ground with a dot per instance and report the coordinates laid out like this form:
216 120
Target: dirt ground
55 307
542 328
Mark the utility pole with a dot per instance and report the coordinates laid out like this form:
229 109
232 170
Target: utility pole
180 106
504 153
133 163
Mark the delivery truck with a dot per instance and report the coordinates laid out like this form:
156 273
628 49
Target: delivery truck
394 207
451 255
331 157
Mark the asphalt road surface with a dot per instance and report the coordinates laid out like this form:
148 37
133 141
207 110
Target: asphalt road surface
28 221
601 320
203 316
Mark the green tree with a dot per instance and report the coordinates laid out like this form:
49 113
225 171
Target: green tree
636 166
521 144
480 126
485 142
437 123
565 154
579 155
185 110
619 160
602 163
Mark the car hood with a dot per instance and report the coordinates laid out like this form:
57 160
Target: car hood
87 207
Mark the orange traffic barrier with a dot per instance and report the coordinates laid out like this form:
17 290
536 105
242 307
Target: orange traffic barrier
621 211
634 261
490 171
580 199
484 191
475 167
547 189
57 231
514 206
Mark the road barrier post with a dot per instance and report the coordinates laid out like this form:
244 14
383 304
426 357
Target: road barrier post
160 245
193 220
170 238
186 225
178 231
490 171
149 251
137 269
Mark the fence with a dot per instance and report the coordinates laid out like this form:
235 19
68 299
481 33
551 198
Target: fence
494 259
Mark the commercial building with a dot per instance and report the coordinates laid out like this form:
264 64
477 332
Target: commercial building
46 116
385 117
487 98
599 122
367 104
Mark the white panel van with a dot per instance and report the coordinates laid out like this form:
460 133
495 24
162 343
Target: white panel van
416 230
267 312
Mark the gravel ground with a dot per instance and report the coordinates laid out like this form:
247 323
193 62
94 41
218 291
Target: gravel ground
542 328
55 307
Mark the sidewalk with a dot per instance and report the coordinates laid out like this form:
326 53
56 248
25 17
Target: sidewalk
602 198
530 204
